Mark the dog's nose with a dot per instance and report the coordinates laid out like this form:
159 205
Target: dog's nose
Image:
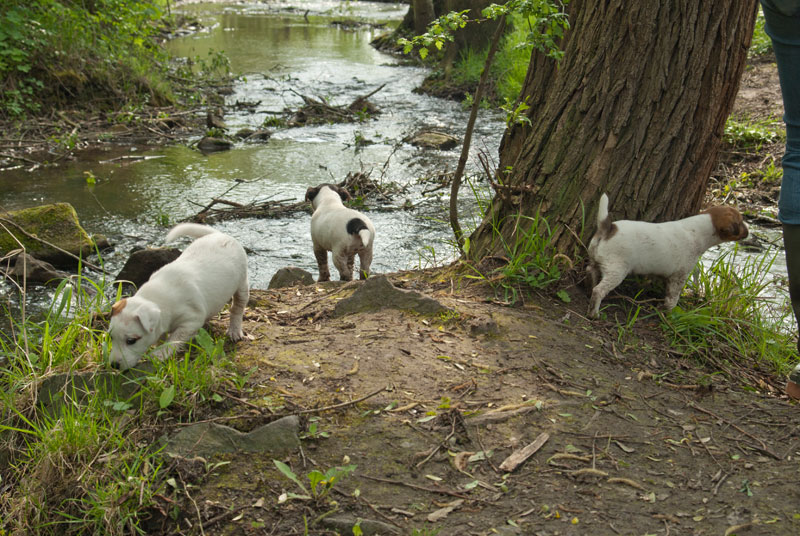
115 365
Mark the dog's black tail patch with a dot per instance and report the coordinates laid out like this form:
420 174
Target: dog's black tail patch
355 225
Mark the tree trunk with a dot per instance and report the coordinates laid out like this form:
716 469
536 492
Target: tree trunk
423 15
636 108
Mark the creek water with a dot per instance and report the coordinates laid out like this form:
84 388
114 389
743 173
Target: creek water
281 52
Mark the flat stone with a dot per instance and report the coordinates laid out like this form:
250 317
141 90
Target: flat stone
57 224
369 527
141 265
291 276
378 293
251 135
213 145
207 439
27 268
433 139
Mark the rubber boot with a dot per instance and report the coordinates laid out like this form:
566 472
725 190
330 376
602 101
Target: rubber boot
791 243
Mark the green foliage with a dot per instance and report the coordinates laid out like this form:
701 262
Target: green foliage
319 484
752 135
515 112
439 32
734 312
101 52
770 174
532 262
547 18
761 43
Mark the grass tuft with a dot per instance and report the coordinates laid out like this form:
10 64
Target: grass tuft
735 316
82 457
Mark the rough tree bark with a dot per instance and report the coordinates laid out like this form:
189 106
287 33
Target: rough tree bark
423 15
636 108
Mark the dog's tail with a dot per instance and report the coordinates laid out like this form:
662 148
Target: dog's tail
604 224
357 226
194 230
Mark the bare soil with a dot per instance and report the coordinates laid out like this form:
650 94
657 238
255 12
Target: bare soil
637 439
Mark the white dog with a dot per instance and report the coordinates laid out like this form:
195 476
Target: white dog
181 296
669 249
340 230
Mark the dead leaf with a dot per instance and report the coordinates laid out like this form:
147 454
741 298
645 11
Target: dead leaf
624 448
442 513
461 460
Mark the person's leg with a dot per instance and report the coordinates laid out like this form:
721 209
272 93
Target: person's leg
791 243
783 27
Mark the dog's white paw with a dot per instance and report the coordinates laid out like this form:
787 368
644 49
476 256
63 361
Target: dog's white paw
238 335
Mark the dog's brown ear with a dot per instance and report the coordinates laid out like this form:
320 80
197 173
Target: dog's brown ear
312 192
735 231
119 306
344 194
728 223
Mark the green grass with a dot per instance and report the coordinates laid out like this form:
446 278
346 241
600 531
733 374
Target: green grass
530 261
735 315
752 135
90 464
761 43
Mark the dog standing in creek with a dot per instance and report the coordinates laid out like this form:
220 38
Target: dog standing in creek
670 249
342 231
181 296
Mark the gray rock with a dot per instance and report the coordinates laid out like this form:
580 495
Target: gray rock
378 293
213 145
141 265
56 224
244 133
433 139
27 268
248 134
206 439
291 276
369 527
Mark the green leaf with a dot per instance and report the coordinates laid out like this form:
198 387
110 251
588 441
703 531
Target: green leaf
423 53
288 473
167 396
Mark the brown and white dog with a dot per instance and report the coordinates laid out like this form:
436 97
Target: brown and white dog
340 230
670 249
181 296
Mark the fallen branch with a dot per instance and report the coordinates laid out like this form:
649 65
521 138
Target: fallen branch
339 406
414 486
763 446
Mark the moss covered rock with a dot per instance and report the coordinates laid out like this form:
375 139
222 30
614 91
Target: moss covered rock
56 224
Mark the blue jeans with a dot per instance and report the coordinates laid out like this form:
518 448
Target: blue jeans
783 26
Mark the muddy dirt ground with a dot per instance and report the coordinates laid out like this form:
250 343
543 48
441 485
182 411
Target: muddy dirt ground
634 439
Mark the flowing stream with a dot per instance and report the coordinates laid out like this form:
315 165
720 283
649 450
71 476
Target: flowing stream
282 52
